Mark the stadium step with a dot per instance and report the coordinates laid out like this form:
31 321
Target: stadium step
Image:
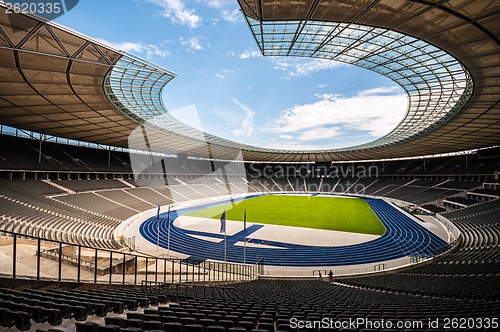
128 184
58 186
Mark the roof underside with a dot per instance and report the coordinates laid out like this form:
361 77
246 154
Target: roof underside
57 82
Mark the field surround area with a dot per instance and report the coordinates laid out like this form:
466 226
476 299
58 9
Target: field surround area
398 234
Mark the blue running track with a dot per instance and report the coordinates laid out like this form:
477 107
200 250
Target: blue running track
403 237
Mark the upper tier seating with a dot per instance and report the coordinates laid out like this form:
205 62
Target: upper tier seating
23 154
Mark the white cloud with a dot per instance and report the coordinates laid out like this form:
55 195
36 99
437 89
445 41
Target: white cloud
153 50
124 46
231 16
193 44
297 67
177 12
321 86
216 3
250 54
332 116
223 73
227 10
246 127
148 49
379 91
321 133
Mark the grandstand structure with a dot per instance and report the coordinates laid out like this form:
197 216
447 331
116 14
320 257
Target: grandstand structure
70 107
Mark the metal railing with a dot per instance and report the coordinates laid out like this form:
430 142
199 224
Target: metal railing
24 256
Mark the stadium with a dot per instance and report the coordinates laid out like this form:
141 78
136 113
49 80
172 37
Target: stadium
117 216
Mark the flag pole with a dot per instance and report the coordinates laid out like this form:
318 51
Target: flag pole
168 239
158 229
245 238
223 229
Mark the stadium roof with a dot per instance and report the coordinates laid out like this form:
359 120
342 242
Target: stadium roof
445 54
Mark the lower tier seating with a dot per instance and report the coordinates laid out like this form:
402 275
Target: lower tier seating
258 306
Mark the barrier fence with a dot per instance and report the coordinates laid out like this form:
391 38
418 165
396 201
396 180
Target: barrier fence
23 256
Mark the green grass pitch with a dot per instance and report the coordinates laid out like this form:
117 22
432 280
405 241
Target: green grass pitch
329 213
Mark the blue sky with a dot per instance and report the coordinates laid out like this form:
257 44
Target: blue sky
277 102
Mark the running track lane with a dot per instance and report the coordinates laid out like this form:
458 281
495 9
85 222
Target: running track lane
403 237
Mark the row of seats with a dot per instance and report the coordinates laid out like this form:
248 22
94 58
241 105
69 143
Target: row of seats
473 211
10 318
257 306
22 153
103 209
471 271
29 213
90 218
134 325
19 308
